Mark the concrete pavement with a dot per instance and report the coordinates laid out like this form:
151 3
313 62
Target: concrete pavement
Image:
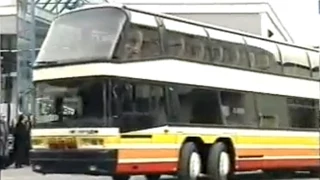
27 174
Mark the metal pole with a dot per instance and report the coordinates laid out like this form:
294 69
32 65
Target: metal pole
1 58
33 52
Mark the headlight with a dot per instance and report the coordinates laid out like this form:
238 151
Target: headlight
38 143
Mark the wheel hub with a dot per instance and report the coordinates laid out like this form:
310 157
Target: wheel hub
195 165
224 164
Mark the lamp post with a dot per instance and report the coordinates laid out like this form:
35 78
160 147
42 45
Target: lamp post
1 58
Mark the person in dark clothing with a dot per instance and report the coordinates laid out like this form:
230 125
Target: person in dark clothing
20 141
28 125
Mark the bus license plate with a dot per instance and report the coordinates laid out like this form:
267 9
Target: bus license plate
62 143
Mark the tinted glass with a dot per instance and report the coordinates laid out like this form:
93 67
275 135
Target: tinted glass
295 61
140 42
83 35
70 103
263 55
314 61
228 49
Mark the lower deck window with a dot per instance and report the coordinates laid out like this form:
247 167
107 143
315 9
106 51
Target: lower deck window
243 109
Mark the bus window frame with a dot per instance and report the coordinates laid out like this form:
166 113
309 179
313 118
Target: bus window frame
283 48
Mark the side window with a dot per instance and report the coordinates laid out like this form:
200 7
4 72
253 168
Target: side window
263 55
272 111
303 113
141 105
185 40
295 61
205 107
196 48
198 106
8 42
238 109
142 42
228 49
172 104
314 61
176 44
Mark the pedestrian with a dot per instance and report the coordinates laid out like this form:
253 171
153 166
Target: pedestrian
28 125
20 141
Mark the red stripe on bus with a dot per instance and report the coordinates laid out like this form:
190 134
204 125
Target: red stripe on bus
294 164
150 168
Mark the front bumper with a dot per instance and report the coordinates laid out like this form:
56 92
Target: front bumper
96 162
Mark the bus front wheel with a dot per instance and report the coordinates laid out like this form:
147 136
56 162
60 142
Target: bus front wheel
219 162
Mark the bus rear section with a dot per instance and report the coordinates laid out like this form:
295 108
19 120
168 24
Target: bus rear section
216 153
74 150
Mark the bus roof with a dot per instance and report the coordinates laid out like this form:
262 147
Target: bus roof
205 25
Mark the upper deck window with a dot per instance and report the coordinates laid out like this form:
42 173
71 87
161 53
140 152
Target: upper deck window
314 61
186 41
295 61
228 49
263 55
83 35
140 40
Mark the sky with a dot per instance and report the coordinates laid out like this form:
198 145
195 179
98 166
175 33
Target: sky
301 18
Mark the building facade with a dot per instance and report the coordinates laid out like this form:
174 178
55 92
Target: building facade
23 27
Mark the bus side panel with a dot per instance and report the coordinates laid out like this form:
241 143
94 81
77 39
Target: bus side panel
148 154
271 152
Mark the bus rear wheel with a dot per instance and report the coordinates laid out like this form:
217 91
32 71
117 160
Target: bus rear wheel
189 166
152 177
219 162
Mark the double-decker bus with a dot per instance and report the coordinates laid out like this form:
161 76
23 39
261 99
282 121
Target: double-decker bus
123 92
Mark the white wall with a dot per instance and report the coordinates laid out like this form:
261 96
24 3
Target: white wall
8 24
232 21
266 25
301 18
8 2
8 7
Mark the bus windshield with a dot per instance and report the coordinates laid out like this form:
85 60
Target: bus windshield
83 36
97 102
71 104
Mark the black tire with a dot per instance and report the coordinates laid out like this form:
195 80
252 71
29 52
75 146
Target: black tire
120 177
153 177
314 174
187 150
214 158
279 174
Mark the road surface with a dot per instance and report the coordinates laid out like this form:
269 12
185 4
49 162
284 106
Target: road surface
27 174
